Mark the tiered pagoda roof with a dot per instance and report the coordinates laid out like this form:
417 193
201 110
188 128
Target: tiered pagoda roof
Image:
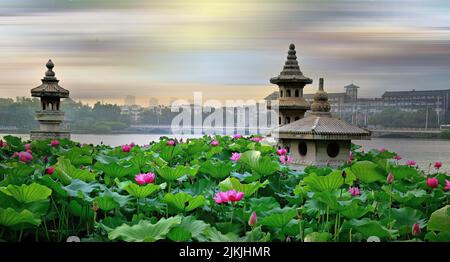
50 86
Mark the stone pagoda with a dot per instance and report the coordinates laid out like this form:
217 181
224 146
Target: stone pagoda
50 116
291 81
319 138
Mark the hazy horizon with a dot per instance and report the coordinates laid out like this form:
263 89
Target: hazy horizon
226 49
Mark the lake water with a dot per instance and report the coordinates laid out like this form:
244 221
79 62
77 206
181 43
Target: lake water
423 151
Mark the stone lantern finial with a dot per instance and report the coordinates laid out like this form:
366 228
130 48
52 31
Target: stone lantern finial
321 104
49 74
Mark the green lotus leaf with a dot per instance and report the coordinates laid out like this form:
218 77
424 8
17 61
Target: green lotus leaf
66 169
179 234
263 204
256 235
41 147
354 210
401 172
431 236
216 169
79 188
27 193
412 198
106 203
279 218
368 172
440 220
14 142
115 170
140 160
369 228
248 189
184 202
142 191
190 228
318 237
78 157
214 235
145 231
262 165
330 182
17 174
329 199
169 152
10 217
84 211
118 198
172 174
55 186
405 217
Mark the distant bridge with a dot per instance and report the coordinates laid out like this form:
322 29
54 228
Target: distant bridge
406 132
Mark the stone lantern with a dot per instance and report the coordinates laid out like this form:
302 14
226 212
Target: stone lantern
50 116
291 81
319 138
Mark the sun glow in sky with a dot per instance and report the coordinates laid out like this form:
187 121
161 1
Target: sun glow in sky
227 49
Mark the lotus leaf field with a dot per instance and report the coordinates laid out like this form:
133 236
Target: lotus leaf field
218 188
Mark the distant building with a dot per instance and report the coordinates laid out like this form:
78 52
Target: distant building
130 100
353 109
134 111
437 100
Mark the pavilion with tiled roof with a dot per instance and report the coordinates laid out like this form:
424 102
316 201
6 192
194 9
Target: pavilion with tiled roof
319 138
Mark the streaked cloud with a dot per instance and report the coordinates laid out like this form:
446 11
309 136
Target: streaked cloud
228 48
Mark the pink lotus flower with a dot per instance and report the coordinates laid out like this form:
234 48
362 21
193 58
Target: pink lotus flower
382 150
237 136
354 191
390 178
438 165
447 185
132 144
286 159
397 157
126 148
432 182
171 143
410 163
256 139
25 156
253 219
214 143
228 196
50 170
27 146
3 143
415 229
54 143
281 151
235 156
145 178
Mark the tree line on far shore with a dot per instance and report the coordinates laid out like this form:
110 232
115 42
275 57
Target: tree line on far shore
104 118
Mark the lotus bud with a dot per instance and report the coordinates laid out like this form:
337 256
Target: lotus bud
253 219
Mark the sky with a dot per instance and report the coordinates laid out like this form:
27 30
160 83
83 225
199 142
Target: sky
226 49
